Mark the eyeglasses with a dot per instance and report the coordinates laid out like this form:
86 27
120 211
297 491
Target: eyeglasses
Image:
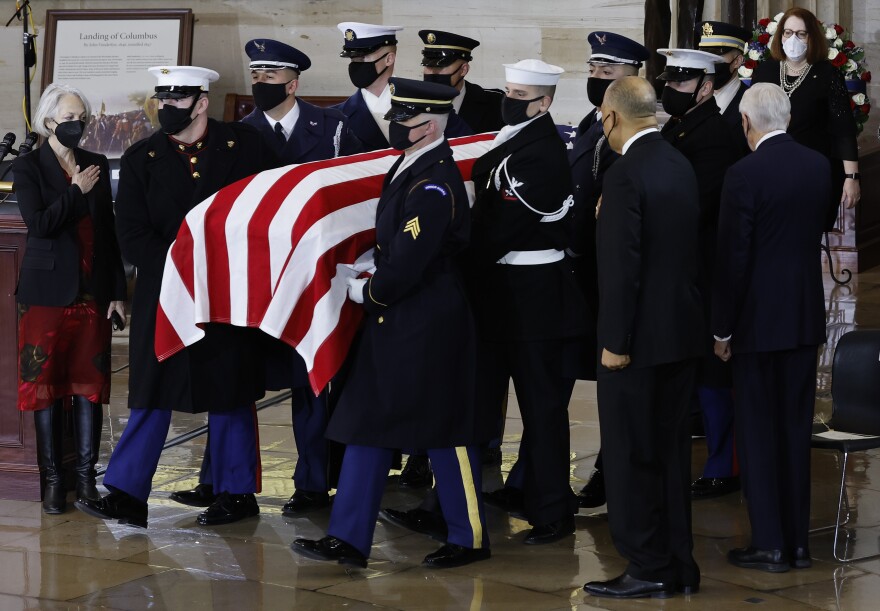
802 34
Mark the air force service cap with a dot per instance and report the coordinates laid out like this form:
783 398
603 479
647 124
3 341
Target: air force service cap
268 54
361 39
410 97
686 64
444 48
178 82
720 36
611 48
532 72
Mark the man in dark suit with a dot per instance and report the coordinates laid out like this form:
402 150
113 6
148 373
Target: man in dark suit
372 50
728 42
612 57
698 131
161 179
414 299
529 309
650 335
298 132
447 59
768 312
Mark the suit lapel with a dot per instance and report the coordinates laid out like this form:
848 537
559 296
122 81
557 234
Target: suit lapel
55 175
306 133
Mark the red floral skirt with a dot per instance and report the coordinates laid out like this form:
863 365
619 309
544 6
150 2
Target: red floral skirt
62 352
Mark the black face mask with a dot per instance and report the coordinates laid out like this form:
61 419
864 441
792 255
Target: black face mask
723 77
269 95
174 120
443 79
398 135
363 74
69 132
677 103
596 90
514 111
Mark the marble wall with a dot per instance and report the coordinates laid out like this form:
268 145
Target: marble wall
511 30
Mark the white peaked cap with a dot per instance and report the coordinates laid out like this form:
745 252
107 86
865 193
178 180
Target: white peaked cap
532 72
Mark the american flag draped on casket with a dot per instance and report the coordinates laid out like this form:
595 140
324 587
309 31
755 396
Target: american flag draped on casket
274 251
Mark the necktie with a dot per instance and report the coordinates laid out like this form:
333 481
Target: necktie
279 133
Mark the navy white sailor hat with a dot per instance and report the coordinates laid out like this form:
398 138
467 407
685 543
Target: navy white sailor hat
443 48
611 48
723 36
361 39
178 82
268 54
532 72
410 97
686 64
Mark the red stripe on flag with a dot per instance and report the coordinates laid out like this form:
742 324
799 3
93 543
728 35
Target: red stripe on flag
182 256
166 341
325 270
331 354
216 252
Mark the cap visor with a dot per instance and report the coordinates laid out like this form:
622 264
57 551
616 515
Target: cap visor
171 95
400 114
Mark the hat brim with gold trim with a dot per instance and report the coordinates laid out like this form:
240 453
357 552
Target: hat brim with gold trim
445 48
717 36
410 98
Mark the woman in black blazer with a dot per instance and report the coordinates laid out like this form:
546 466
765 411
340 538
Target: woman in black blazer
71 282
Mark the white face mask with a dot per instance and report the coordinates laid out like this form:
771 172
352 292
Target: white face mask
795 48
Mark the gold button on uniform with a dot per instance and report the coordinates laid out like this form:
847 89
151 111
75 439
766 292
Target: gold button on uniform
381 319
193 159
196 175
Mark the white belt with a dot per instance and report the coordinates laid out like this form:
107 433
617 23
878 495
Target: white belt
532 257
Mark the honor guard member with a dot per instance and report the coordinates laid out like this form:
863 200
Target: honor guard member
372 50
446 59
413 300
528 307
699 132
612 56
728 42
298 132
161 179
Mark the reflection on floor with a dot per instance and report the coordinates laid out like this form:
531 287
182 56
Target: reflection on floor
74 561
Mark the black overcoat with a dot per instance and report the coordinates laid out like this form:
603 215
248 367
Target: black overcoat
222 371
481 108
411 383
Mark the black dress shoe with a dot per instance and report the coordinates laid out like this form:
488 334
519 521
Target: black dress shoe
329 548
200 496
302 502
229 508
625 586
711 487
418 520
771 561
416 473
548 533
117 505
507 499
593 494
451 555
800 559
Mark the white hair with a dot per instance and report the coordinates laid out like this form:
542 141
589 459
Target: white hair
767 107
48 106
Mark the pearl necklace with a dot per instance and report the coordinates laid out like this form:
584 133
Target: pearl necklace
783 81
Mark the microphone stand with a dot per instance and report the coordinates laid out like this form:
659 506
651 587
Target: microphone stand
30 57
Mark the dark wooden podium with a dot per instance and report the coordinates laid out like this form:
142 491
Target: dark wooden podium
19 474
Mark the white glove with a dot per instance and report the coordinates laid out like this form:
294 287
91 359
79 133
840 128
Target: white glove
356 289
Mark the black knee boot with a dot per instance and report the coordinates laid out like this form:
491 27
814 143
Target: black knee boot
88 421
48 425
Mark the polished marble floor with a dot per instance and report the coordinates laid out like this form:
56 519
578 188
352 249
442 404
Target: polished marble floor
73 561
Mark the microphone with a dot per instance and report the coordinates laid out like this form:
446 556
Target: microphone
28 143
6 144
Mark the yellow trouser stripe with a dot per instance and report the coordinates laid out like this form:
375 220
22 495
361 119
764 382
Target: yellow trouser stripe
470 495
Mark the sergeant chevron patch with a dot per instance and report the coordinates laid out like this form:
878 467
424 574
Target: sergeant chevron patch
412 228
